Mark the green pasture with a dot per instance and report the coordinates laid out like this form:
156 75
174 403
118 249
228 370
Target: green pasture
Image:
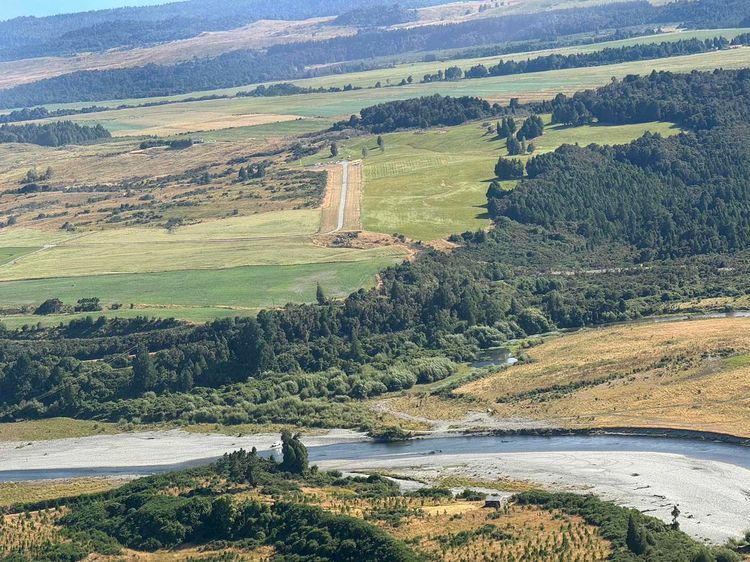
198 295
276 238
727 59
532 86
9 253
196 272
430 184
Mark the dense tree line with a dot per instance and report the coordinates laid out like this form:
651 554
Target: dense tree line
288 89
288 61
671 197
698 100
52 134
609 55
667 197
429 111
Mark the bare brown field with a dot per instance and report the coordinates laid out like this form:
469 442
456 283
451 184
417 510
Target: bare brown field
258 35
684 375
332 199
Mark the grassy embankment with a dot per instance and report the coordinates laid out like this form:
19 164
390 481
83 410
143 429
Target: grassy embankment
689 375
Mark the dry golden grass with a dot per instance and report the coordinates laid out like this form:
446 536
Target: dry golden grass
92 186
13 493
502 485
450 533
257 35
451 528
53 428
685 374
27 533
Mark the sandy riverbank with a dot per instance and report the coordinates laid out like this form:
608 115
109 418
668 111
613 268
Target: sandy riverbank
151 448
714 497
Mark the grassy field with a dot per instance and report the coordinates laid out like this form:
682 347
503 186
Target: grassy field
430 184
267 239
534 86
197 294
53 428
394 74
687 375
12 493
216 268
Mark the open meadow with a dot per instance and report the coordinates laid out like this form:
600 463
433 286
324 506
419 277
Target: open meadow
527 87
240 263
430 184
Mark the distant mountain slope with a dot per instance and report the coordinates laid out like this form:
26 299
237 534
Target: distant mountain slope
104 29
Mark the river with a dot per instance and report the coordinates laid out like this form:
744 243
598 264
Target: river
737 455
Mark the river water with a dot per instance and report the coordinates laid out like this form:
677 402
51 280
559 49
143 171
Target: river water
456 445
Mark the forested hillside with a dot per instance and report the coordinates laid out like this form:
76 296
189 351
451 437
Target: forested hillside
137 26
680 196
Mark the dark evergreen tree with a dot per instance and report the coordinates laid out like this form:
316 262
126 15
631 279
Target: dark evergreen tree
513 145
294 453
509 168
144 376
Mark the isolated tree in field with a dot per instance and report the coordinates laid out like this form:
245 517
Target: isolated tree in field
453 73
514 147
144 372
294 452
320 296
334 150
50 306
410 79
365 152
381 143
509 169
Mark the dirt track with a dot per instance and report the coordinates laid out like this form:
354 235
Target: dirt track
341 209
